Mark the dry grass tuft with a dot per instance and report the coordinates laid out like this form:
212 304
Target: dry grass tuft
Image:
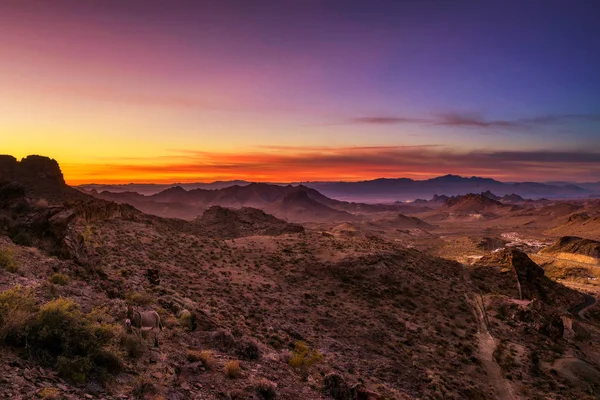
233 369
7 260
48 393
59 279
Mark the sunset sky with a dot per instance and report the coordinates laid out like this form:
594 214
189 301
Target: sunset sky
287 90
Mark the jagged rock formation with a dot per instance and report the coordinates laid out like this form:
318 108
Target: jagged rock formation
58 229
512 273
39 176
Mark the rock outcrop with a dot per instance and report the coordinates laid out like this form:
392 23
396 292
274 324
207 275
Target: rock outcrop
40 177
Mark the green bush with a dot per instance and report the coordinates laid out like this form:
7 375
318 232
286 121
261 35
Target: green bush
134 347
139 299
303 357
144 387
187 320
76 368
59 279
17 307
7 260
61 333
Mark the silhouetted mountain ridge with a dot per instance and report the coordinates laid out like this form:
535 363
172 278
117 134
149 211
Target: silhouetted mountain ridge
388 190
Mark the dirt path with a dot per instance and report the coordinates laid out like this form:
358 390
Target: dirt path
487 346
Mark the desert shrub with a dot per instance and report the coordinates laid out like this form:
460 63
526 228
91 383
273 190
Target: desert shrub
7 260
76 368
144 386
205 356
303 356
244 348
21 237
233 369
59 279
266 389
187 320
247 349
139 299
133 345
223 340
48 393
193 355
60 333
17 306
335 385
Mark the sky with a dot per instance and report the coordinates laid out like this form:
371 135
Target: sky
122 91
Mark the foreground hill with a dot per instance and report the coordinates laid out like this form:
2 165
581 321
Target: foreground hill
541 346
227 223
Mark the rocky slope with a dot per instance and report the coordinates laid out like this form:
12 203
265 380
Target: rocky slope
228 223
301 315
576 246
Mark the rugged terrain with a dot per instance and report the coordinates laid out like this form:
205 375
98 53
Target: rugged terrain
358 302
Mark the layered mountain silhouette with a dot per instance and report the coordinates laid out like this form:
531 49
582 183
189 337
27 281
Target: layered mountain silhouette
386 190
292 203
450 185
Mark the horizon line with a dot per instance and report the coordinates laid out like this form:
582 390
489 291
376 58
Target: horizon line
548 182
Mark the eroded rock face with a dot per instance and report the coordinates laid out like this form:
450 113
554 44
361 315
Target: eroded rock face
509 272
58 229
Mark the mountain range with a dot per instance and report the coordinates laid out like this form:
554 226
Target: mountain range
386 190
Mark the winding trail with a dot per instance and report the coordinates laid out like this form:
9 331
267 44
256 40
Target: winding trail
487 347
580 309
487 344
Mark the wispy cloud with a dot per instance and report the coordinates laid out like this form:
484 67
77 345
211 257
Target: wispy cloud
470 120
389 120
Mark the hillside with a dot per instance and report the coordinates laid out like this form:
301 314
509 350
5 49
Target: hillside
304 315
576 246
250 300
227 223
578 224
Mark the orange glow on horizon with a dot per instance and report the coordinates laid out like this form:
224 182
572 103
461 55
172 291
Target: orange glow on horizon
304 164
